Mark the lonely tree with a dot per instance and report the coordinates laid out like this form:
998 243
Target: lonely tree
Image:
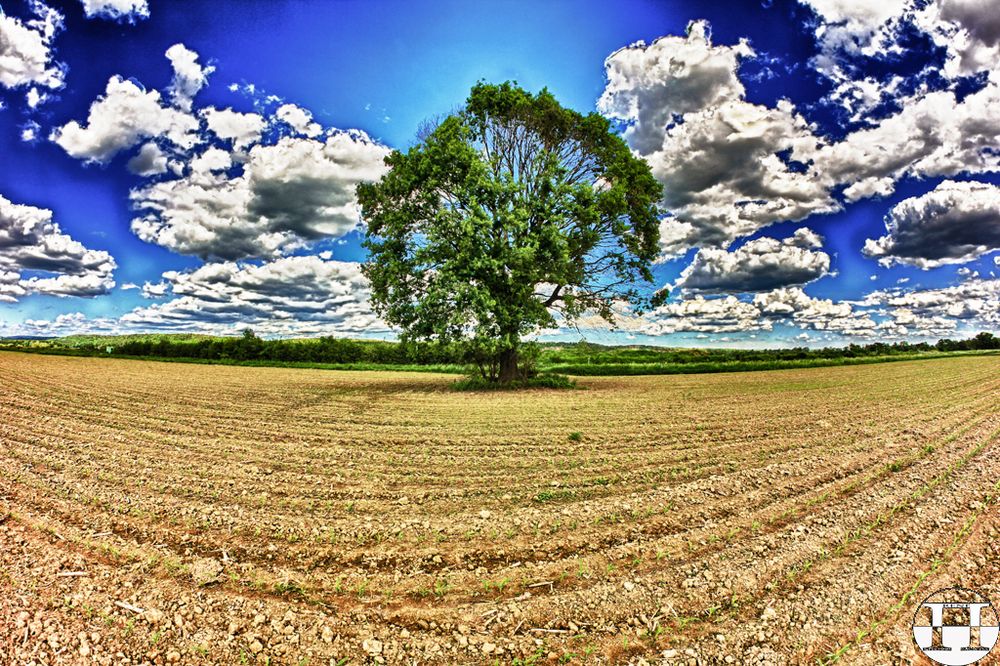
510 215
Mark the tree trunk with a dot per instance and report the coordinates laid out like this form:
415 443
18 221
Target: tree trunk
508 366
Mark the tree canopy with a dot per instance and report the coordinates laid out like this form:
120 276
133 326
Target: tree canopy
509 215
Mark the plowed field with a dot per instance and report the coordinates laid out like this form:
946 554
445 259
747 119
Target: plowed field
171 513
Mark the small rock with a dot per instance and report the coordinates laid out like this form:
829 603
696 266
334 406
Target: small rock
484 514
327 635
372 646
173 657
206 571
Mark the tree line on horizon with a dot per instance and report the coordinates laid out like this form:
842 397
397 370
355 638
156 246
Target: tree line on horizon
567 357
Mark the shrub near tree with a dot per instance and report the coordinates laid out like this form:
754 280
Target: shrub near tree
511 213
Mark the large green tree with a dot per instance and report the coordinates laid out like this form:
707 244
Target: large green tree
509 215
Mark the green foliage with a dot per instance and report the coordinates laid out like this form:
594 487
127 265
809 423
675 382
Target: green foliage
543 381
580 359
289 587
508 211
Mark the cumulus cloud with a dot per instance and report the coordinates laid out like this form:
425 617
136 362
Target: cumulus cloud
128 11
975 301
26 57
288 193
722 160
726 314
818 314
759 265
123 117
954 223
64 324
852 27
189 76
242 129
30 242
298 119
649 86
287 294
29 131
264 194
155 289
128 114
883 315
723 176
969 31
210 161
149 161
730 167
933 135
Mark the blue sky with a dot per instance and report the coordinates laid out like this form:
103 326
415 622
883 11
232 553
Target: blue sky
786 134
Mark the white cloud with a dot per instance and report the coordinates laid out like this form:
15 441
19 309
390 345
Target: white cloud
819 314
726 314
64 324
155 289
717 155
243 129
35 98
30 242
933 135
954 223
723 178
26 57
862 16
852 27
730 168
792 307
649 85
968 30
298 119
149 161
289 294
125 115
975 301
189 75
759 265
116 10
294 191
210 161
29 131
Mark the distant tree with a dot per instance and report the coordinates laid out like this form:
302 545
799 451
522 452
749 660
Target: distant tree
507 212
248 347
985 340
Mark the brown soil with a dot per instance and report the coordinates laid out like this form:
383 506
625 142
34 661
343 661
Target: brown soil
156 513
